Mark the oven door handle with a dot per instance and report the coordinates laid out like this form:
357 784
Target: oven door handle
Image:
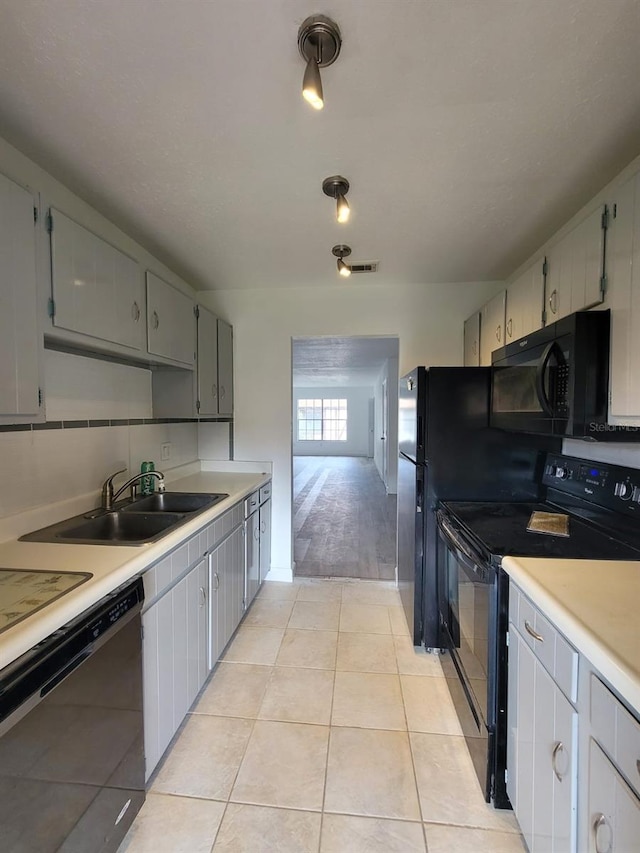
471 560
541 371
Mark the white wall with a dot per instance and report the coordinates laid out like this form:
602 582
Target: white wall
427 319
357 443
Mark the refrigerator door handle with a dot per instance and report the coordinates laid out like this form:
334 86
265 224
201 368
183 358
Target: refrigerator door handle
419 495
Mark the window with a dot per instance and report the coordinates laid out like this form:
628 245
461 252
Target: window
322 420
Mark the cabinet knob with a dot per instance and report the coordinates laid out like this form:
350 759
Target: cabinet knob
532 633
602 834
553 301
156 320
558 750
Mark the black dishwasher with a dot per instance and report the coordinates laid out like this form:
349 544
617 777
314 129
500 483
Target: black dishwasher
71 738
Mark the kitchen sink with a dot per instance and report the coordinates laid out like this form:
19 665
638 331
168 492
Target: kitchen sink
139 522
174 502
123 527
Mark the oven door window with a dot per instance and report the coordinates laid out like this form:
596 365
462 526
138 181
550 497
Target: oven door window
467 617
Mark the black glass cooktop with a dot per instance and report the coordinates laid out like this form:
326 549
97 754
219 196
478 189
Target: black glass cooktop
501 529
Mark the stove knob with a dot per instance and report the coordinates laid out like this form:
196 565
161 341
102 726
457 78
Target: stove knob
623 491
561 473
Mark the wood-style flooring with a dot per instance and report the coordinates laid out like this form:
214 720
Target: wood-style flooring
344 522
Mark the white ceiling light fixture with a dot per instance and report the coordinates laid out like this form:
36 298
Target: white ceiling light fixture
337 187
319 44
341 251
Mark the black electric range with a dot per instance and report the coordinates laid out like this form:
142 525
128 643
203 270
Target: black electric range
602 503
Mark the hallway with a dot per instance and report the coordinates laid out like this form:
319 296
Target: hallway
344 522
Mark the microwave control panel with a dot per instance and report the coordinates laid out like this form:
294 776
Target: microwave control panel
607 485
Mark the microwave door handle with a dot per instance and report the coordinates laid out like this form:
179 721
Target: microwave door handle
541 370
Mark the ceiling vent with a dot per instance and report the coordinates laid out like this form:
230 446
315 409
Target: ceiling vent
368 266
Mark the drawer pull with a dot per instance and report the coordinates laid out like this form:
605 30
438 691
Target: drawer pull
599 825
557 749
533 633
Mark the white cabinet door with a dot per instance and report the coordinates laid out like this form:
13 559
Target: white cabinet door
19 339
623 277
207 363
252 557
472 341
180 605
171 322
225 368
492 327
265 539
525 303
97 289
158 672
197 625
575 269
541 753
614 810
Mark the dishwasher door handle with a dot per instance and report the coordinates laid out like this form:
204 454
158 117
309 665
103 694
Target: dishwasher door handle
65 671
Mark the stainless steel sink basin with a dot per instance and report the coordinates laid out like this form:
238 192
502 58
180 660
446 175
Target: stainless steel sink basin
174 502
123 527
142 521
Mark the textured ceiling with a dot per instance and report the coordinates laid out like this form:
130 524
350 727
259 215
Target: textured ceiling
340 362
469 129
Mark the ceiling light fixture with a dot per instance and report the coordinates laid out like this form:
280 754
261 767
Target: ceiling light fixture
341 251
319 44
337 187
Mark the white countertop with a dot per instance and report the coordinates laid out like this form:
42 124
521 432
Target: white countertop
596 605
110 565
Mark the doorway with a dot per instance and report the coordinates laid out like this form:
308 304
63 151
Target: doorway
344 483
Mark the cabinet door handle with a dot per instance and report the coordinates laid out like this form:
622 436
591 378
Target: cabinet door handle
217 577
263 528
638 766
214 390
599 824
135 312
222 391
499 332
510 327
256 534
557 749
203 597
533 633
156 320
474 349
553 301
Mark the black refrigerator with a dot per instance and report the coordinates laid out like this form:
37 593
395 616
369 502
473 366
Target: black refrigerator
447 451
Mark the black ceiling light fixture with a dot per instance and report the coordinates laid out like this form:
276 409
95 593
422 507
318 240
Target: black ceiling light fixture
337 187
341 251
319 44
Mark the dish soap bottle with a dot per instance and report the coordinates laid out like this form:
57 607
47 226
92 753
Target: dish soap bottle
147 483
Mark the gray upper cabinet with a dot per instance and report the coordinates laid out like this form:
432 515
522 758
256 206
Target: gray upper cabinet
575 268
207 362
19 339
623 274
171 325
472 341
492 327
96 288
525 303
225 368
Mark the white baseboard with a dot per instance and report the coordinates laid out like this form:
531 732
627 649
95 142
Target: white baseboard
282 575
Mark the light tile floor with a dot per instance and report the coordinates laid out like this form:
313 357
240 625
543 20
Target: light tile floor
321 731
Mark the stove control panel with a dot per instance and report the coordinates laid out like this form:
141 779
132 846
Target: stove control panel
606 485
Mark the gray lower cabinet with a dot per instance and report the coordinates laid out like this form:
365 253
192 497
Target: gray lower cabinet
175 659
614 810
226 578
251 547
265 537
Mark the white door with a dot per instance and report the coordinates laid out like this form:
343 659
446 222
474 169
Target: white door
385 433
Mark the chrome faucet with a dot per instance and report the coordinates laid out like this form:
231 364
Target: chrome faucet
108 495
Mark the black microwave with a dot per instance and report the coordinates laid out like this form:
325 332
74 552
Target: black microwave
556 380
